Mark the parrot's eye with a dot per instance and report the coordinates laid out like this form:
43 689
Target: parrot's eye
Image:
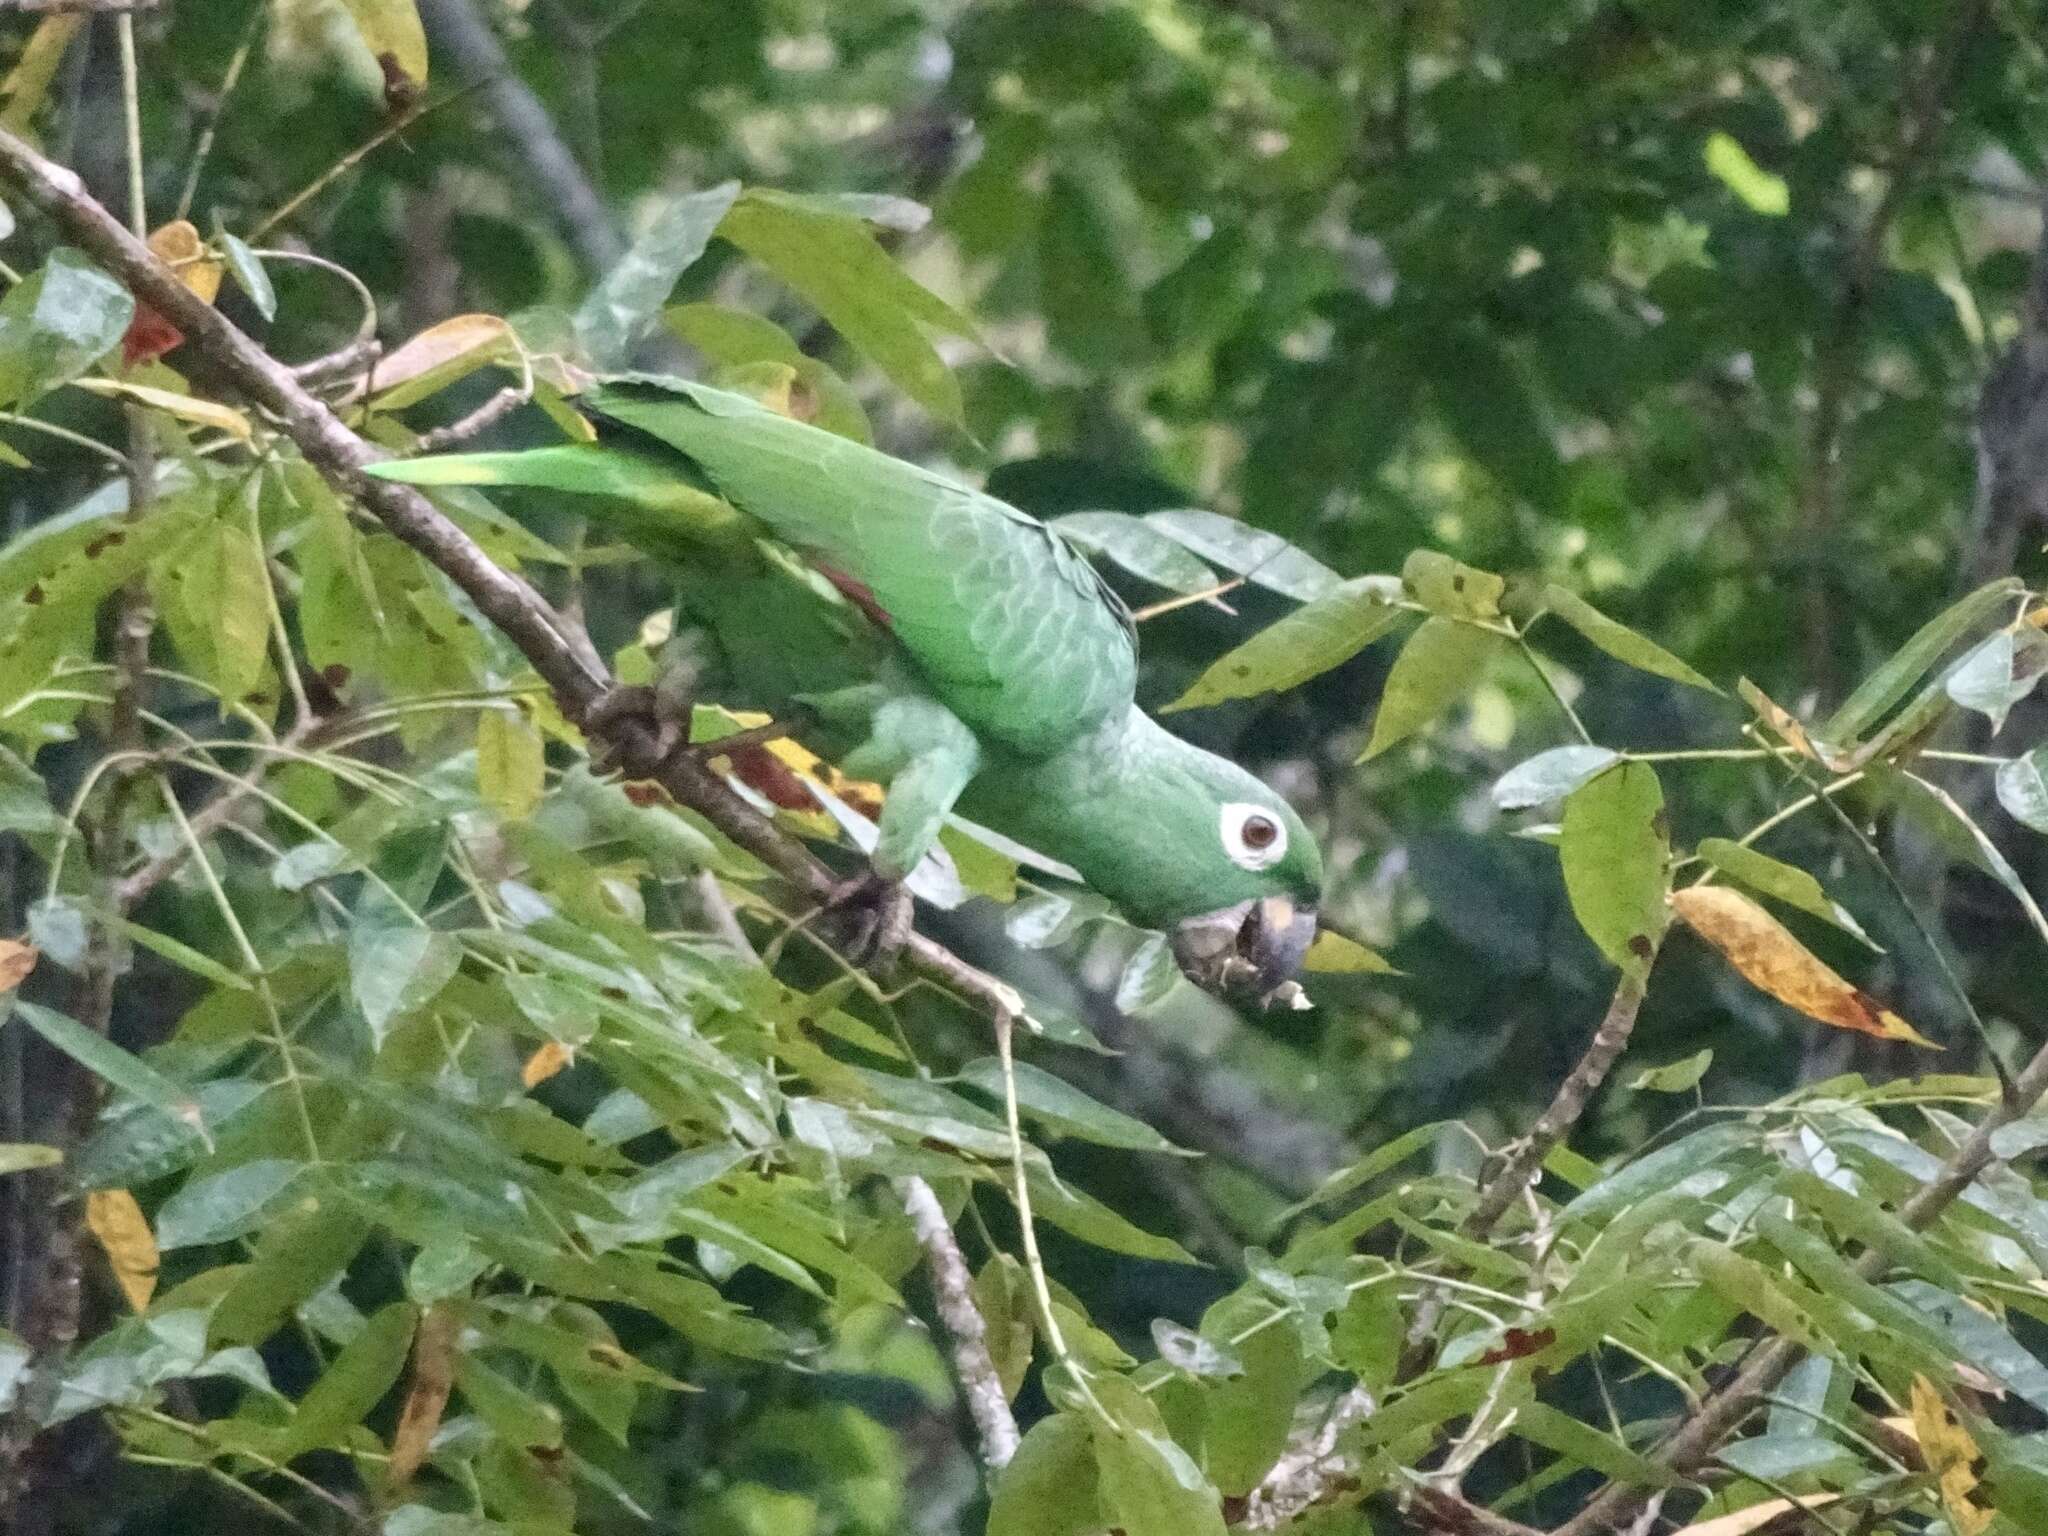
1252 837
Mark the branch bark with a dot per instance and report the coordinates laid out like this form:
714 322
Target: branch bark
536 149
953 1294
558 650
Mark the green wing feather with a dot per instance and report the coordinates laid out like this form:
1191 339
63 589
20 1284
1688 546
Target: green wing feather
1006 622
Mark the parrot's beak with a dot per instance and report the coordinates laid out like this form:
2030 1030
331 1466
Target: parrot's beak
1251 950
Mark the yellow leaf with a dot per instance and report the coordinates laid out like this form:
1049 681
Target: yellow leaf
511 763
440 355
179 247
392 31
1773 961
1333 954
16 961
29 81
544 1063
113 1217
204 413
1756 1517
426 1395
1952 1457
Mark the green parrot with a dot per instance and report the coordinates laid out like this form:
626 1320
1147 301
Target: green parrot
945 643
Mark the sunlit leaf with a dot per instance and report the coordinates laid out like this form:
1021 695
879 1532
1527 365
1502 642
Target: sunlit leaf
56 323
439 356
1331 953
1728 162
511 763
1952 1456
1452 588
1675 1077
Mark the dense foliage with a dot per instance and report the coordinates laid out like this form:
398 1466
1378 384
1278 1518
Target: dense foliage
1585 455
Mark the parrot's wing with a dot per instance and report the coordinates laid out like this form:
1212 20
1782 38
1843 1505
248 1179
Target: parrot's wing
1006 622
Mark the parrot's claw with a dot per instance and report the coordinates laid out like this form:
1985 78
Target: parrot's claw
870 916
630 710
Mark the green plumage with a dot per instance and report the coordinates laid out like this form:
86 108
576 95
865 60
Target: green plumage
971 650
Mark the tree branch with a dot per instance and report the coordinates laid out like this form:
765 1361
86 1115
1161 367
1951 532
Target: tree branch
536 148
557 650
953 1294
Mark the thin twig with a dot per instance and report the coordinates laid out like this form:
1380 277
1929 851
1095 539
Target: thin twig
953 1295
230 77
480 420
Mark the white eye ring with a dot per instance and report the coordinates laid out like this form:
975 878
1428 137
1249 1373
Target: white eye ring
1252 835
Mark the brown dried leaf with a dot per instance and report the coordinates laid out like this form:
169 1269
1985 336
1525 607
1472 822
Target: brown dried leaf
426 1396
440 355
113 1217
1773 961
16 961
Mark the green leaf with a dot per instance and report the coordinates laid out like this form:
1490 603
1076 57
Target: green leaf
1129 541
1091 313
106 1060
1616 854
1491 411
731 337
1674 1077
18 1156
620 310
1619 641
1251 1414
1450 587
1149 976
1728 162
511 762
1895 679
514 1416
395 970
830 258
1982 851
1772 877
2023 789
1059 1104
215 1207
2002 670
1306 643
250 275
1550 776
1331 953
391 31
238 604
56 323
354 1382
61 927
1048 1489
1148 1485
1543 1425
1439 663
1263 559
1082 1215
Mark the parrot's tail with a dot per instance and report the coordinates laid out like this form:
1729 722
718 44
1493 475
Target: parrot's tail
654 500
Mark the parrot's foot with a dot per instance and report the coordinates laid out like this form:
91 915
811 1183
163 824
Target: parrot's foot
869 918
661 722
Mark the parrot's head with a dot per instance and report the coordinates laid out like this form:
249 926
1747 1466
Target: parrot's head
1205 851
1266 876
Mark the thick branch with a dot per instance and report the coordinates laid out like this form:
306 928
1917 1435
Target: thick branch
557 650
1566 1108
953 1294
